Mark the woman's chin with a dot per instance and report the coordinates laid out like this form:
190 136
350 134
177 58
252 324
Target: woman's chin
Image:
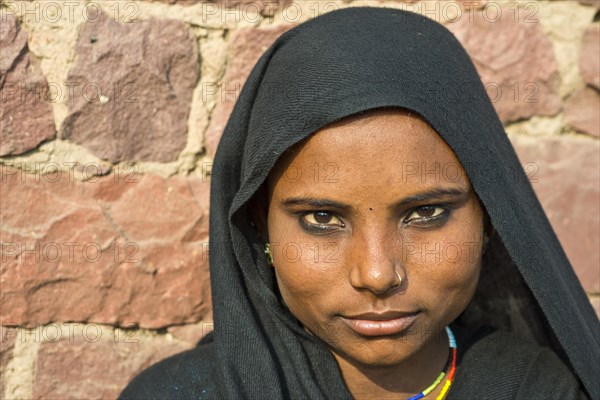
376 353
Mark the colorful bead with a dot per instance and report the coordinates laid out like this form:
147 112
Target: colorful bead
435 383
449 376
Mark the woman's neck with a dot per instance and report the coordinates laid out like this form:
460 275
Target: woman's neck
399 381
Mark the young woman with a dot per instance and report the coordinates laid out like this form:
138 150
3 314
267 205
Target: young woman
373 235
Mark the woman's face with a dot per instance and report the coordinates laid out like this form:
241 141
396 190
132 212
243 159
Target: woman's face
357 203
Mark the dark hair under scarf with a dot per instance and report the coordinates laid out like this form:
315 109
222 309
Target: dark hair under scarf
332 66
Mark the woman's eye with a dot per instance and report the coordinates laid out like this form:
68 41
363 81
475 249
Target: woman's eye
322 219
426 213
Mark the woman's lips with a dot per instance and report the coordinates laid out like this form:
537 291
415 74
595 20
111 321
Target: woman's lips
381 324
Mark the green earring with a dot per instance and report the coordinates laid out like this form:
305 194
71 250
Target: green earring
268 253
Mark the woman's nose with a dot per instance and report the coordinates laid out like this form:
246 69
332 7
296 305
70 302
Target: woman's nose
375 262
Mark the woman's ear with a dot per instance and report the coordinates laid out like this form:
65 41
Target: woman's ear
258 213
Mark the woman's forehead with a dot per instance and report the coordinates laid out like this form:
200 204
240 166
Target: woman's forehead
383 148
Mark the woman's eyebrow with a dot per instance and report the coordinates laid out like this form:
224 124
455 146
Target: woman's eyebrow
432 194
314 202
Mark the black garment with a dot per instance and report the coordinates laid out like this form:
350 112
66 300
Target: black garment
332 66
490 366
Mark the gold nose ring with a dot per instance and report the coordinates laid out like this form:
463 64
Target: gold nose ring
399 280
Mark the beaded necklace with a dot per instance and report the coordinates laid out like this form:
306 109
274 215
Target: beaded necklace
451 362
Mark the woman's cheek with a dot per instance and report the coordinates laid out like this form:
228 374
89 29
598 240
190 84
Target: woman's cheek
303 273
311 279
444 272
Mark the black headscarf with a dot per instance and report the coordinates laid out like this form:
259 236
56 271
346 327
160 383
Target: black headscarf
332 66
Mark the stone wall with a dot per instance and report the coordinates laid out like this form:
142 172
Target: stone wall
111 113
